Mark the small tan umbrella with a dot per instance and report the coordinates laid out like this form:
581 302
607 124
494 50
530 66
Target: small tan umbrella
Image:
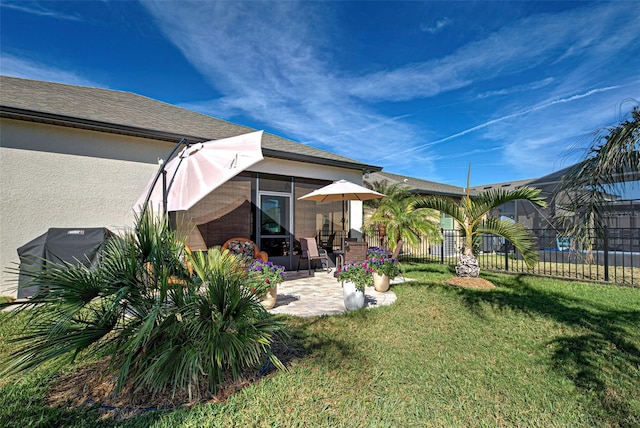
342 190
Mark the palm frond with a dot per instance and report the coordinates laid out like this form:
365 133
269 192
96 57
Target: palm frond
486 201
514 233
162 327
612 158
444 205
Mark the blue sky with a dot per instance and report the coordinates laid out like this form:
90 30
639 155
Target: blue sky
420 88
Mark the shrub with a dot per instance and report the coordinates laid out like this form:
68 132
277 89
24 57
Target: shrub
163 328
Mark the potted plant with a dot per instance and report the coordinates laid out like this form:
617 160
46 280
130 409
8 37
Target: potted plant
264 278
355 276
384 268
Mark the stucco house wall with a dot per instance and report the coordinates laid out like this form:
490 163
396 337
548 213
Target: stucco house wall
69 176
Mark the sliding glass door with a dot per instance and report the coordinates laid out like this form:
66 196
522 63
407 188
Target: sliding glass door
275 215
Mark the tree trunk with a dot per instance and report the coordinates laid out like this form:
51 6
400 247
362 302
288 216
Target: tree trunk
382 233
467 266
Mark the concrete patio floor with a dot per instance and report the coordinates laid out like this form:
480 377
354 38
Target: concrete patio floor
321 294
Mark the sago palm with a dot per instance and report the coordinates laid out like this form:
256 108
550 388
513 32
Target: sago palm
397 216
470 213
162 328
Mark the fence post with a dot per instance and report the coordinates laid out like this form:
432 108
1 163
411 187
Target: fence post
606 252
442 247
507 244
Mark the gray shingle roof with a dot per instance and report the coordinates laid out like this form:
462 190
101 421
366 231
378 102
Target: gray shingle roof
507 185
423 187
125 109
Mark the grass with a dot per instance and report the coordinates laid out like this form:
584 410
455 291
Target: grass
6 299
532 352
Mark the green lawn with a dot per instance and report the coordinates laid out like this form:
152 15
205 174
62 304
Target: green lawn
532 352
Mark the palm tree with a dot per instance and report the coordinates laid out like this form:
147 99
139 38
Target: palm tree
395 218
612 158
471 215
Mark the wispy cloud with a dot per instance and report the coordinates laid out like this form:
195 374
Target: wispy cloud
512 116
273 62
20 67
36 8
267 59
518 88
437 27
527 44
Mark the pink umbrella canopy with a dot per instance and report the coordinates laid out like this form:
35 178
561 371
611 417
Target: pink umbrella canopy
201 168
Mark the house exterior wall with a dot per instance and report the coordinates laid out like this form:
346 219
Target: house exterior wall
53 176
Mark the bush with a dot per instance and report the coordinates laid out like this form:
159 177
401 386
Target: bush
162 327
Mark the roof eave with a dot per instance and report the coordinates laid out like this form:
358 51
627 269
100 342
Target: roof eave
94 125
314 159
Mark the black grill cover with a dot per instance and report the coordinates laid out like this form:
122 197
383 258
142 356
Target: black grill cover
59 245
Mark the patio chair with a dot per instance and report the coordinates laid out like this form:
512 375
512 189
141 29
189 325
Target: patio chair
245 246
310 252
563 243
327 244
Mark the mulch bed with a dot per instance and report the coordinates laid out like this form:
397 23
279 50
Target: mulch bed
475 283
92 386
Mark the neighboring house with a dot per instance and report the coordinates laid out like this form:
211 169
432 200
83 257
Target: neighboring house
512 209
622 215
76 157
416 185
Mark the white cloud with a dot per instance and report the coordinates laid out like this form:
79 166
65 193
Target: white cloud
541 106
533 42
35 8
549 139
272 62
437 27
517 88
19 67
269 61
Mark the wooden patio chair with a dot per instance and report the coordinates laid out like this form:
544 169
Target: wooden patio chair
310 252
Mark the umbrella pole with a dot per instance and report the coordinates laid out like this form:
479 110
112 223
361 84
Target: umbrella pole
343 224
164 191
161 171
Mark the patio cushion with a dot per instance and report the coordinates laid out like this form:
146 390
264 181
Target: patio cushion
246 248
243 248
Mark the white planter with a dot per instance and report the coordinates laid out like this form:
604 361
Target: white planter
353 298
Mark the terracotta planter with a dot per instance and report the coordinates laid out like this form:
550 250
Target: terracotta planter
381 282
269 299
353 298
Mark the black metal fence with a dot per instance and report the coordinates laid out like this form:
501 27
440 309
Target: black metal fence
614 258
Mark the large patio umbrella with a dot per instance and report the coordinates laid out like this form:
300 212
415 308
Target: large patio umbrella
198 170
342 190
